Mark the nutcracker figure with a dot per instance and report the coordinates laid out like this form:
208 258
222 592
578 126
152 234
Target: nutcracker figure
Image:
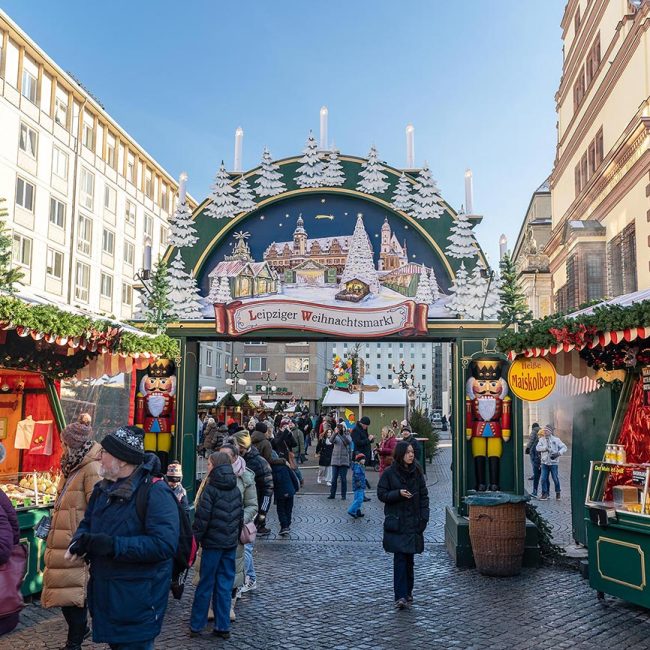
155 409
487 423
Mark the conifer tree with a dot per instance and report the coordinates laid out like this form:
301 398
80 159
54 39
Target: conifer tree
373 180
514 307
245 196
310 172
459 290
360 264
9 276
184 292
333 175
427 203
156 305
433 284
181 227
224 203
423 294
462 243
402 199
220 291
269 181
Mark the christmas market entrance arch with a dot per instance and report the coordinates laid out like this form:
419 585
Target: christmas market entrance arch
332 263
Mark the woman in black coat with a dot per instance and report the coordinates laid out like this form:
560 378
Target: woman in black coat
403 490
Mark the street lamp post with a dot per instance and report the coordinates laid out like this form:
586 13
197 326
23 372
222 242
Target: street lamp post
269 389
425 399
421 393
235 373
404 377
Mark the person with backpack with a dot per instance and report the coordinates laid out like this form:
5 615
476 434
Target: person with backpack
217 524
131 554
285 486
341 450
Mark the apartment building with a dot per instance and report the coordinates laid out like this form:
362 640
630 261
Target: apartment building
83 197
214 356
599 245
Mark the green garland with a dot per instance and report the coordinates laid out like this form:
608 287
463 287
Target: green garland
556 329
547 549
160 345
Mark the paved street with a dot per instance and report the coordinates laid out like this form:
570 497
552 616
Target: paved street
329 586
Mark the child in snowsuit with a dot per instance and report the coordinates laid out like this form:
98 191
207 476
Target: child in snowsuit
285 486
358 486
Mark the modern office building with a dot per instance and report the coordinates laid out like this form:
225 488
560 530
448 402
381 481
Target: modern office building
215 356
83 196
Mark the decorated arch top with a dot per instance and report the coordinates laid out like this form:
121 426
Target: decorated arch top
334 244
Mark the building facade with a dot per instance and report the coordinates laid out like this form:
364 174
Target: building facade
213 359
83 197
600 183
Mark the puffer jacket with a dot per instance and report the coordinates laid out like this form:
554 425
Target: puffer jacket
358 476
246 485
341 449
405 519
324 450
263 479
127 592
9 537
64 582
263 445
550 448
385 450
218 516
213 436
285 481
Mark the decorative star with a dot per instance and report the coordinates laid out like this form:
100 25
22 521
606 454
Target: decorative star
286 216
413 256
345 213
322 200
376 235
406 227
261 217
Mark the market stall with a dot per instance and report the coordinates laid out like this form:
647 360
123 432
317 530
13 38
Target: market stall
42 348
611 344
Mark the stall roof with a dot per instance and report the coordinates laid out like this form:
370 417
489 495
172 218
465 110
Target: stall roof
382 397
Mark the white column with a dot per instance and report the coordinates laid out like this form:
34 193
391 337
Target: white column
503 246
239 142
469 192
410 146
182 187
324 114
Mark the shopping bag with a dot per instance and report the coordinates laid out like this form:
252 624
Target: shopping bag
42 438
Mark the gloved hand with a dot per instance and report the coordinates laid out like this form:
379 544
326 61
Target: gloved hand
94 545
555 455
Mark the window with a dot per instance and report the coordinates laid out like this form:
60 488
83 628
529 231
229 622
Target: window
219 367
108 241
148 225
579 89
106 286
127 294
88 136
589 163
591 154
164 202
111 158
255 364
584 169
576 21
28 140
57 212
110 199
599 147
208 358
60 163
61 111
54 264
593 60
130 213
82 285
148 183
296 364
131 169
87 189
24 194
621 262
129 253
22 250
28 88
595 272
84 235
163 236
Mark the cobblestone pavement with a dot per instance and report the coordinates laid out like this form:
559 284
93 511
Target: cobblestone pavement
329 586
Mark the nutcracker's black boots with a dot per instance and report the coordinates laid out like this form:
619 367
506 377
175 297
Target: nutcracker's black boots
494 462
479 473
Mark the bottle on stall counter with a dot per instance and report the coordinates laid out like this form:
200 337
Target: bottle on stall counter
621 456
609 454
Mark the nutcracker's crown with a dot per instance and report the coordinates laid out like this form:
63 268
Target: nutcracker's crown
486 369
162 368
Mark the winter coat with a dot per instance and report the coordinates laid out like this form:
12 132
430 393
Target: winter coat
218 516
358 476
531 447
405 519
213 436
360 438
285 481
127 593
324 450
341 449
262 444
299 438
181 496
550 448
246 485
284 442
263 478
386 449
9 537
64 582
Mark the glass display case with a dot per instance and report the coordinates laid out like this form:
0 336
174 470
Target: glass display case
619 488
30 489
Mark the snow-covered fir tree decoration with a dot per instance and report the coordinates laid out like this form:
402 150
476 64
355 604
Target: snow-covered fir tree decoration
181 228
333 175
458 291
183 291
220 291
269 182
245 196
423 295
433 284
477 293
224 202
192 307
462 243
360 264
493 302
310 172
427 203
402 199
373 180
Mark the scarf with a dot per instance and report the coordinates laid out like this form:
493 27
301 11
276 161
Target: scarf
71 459
239 466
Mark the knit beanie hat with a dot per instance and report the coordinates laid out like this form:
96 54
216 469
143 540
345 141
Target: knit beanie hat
174 470
243 439
286 422
365 420
359 457
76 434
261 427
127 444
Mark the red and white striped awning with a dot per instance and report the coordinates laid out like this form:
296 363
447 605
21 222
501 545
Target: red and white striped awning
113 364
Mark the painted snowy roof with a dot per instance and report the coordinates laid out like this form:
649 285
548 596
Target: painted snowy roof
233 268
406 269
323 242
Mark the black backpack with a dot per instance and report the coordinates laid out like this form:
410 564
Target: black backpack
187 546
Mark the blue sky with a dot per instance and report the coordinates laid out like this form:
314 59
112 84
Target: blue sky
477 79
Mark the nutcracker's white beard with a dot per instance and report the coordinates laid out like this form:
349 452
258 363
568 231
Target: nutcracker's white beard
486 407
155 404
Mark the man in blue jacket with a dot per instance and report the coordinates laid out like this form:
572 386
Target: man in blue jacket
130 559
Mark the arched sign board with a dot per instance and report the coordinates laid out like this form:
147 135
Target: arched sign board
331 260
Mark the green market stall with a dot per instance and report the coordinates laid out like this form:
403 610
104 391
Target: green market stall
42 346
611 340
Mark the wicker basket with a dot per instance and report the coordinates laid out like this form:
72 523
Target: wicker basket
497 534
